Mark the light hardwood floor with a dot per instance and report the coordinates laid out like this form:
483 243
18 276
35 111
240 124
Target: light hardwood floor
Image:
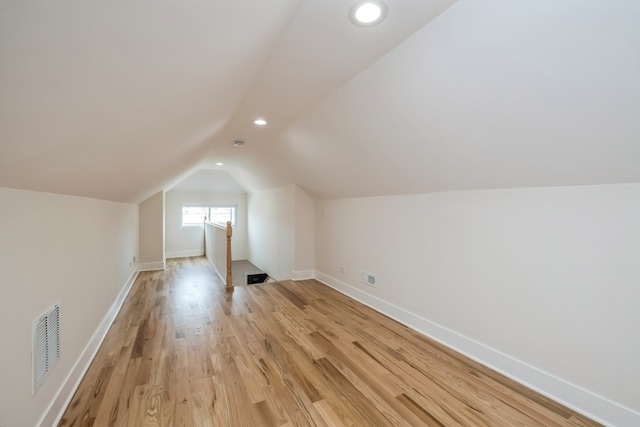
182 352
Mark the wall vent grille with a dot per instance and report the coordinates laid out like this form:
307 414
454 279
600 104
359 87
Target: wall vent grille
368 278
46 344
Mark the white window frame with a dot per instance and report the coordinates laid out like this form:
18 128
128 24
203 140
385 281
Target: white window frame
208 207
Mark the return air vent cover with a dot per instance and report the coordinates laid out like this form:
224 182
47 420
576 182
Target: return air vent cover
46 344
368 278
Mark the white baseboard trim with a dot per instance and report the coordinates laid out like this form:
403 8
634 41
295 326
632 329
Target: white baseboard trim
184 254
58 405
575 397
303 275
151 266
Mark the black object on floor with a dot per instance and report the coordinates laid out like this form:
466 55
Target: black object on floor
253 278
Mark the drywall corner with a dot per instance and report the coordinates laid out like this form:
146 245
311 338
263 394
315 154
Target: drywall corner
151 230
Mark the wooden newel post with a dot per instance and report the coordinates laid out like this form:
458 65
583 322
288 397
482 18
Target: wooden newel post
229 287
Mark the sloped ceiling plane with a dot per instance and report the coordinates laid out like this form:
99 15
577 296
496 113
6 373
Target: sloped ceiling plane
117 100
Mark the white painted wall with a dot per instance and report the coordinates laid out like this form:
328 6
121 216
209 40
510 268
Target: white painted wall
190 241
56 248
271 227
216 248
549 277
281 224
305 235
151 230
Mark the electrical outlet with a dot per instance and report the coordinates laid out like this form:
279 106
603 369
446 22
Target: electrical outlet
342 269
368 278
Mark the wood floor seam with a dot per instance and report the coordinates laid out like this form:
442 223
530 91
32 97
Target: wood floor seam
183 352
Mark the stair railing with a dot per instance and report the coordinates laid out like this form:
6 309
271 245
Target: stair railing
217 251
229 287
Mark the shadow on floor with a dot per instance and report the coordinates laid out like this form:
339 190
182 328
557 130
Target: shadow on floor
241 269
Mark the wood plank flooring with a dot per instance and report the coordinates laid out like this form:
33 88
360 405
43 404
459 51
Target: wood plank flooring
182 352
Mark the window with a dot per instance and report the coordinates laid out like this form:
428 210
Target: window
222 214
194 216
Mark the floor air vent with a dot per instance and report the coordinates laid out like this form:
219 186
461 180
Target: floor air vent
46 344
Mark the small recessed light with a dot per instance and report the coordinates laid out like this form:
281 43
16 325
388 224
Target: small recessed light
219 164
260 122
368 12
238 143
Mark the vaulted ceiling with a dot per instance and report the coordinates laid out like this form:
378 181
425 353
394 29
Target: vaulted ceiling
119 99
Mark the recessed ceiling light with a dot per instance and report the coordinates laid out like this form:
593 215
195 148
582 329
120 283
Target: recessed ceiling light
368 12
219 164
238 143
260 122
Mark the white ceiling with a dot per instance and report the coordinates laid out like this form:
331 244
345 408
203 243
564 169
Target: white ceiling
211 181
119 99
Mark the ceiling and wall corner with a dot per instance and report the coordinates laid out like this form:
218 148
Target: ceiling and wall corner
211 181
151 232
112 100
117 101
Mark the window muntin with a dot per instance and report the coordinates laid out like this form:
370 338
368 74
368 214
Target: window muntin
222 214
194 216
